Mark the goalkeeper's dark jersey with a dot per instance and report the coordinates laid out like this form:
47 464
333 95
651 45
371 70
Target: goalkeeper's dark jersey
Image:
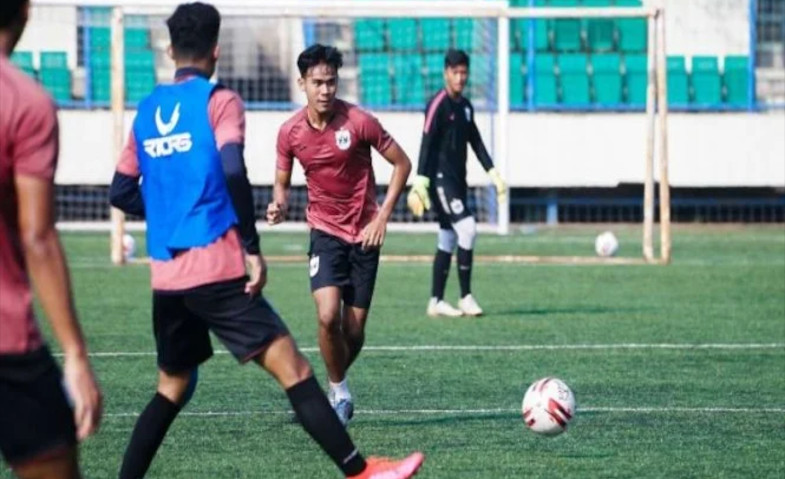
449 126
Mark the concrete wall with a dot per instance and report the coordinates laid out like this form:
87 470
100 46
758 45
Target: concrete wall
728 149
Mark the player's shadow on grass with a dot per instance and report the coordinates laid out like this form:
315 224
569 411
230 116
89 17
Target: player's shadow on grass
414 419
563 310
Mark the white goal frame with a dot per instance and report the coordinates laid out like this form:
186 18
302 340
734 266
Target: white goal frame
656 104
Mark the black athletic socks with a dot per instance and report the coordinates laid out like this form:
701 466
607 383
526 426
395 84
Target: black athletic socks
148 434
319 420
441 268
465 259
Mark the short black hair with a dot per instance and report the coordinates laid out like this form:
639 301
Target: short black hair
454 57
10 10
316 54
193 28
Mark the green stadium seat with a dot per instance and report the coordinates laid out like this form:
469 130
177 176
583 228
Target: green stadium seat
435 34
374 63
54 60
606 75
375 88
735 79
100 38
574 79
58 82
402 34
434 72
481 74
545 88
100 85
408 80
100 60
137 38
600 32
139 60
369 34
466 35
678 81
24 61
633 36
517 80
635 74
706 81
566 31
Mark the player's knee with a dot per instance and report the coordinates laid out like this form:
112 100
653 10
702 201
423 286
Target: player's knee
447 240
175 387
329 319
191 389
466 229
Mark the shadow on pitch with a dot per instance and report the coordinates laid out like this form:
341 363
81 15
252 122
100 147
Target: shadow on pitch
564 310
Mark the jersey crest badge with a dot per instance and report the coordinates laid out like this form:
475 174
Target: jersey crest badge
343 139
468 112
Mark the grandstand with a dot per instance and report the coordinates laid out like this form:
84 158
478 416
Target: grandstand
722 62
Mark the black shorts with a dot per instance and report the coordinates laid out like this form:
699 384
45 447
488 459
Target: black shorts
35 418
334 262
182 319
449 202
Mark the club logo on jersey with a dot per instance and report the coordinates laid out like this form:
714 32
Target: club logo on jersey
167 144
343 139
456 206
314 265
468 112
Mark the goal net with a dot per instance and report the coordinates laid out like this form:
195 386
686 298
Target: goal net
521 84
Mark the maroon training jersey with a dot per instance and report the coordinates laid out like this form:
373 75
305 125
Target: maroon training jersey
28 147
337 165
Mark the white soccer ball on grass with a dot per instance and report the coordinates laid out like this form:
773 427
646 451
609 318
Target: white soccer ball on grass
548 406
129 247
606 245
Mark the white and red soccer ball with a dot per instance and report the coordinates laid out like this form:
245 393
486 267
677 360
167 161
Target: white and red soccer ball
548 406
606 244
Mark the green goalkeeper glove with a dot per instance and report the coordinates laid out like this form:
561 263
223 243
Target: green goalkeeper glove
501 187
418 200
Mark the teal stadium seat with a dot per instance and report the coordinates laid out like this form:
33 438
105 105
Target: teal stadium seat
635 76
435 34
706 81
55 75
375 88
408 79
481 75
606 76
369 34
517 79
545 88
137 38
574 79
24 61
566 31
466 35
403 34
600 32
678 81
520 28
735 80
434 73
633 36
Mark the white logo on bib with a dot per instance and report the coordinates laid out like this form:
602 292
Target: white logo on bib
314 265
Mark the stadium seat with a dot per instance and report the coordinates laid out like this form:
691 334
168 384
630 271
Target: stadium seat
481 75
24 61
633 36
100 38
517 80
375 87
50 60
567 31
678 81
545 89
635 74
369 34
139 83
735 78
408 80
55 76
574 79
600 32
435 34
606 75
706 81
434 73
137 38
139 60
466 35
100 84
403 34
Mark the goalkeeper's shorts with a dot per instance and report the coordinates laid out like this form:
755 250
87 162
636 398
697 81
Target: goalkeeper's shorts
450 203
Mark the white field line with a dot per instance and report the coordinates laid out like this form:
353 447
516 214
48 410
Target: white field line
512 347
462 412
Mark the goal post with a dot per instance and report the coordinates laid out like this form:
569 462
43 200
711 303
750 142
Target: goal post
489 27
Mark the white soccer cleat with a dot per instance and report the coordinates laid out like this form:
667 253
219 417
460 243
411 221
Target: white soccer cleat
442 308
469 306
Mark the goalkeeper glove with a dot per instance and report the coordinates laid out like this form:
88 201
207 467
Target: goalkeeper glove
501 187
418 200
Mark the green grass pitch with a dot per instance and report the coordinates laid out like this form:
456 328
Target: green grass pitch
647 405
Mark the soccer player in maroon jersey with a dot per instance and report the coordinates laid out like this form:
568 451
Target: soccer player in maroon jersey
39 430
332 139
183 170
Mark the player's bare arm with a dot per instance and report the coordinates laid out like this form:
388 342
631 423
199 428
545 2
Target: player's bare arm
46 264
375 231
276 210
